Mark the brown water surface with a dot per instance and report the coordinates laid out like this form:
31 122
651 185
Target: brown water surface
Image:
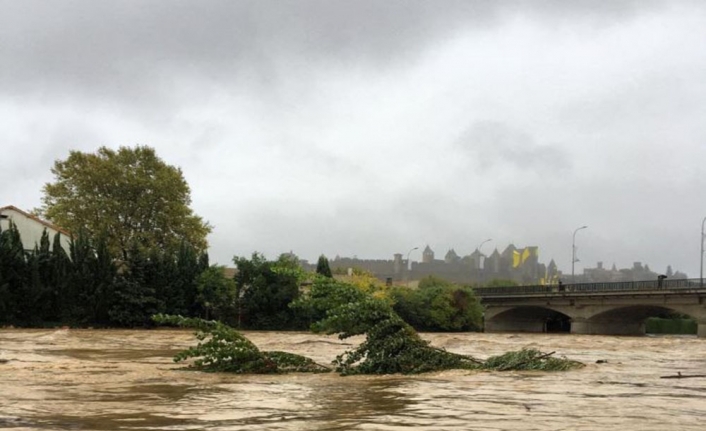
126 380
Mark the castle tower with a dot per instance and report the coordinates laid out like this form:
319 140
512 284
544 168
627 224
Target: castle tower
451 256
427 255
397 264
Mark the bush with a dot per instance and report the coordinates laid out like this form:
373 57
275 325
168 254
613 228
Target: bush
439 305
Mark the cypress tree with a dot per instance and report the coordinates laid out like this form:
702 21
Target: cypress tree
158 278
13 273
104 273
135 301
58 281
79 292
5 305
187 263
41 276
323 268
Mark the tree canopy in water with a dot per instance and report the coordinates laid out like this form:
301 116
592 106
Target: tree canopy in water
223 349
391 345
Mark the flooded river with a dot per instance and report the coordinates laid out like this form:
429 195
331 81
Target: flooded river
126 380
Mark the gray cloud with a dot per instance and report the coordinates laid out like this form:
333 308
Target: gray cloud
137 49
146 51
492 143
372 127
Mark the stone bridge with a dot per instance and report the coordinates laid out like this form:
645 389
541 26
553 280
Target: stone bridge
592 308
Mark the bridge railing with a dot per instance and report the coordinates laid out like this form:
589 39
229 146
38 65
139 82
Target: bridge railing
622 286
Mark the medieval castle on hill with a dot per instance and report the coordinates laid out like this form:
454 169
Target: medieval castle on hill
520 265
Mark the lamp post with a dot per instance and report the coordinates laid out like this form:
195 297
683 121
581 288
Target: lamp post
481 254
701 272
481 244
573 252
408 253
409 266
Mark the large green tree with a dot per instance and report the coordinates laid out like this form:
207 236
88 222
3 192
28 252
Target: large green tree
130 196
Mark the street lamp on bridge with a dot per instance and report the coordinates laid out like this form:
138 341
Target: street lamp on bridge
701 272
573 252
481 244
479 252
409 266
408 253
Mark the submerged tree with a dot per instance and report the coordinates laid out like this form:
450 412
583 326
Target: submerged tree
390 346
223 349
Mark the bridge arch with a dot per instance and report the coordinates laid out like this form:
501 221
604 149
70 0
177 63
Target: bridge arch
527 319
624 320
593 308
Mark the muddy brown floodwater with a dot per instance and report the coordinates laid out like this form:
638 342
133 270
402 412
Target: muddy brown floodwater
126 380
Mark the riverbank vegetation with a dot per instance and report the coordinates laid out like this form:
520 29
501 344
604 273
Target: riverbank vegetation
438 305
92 286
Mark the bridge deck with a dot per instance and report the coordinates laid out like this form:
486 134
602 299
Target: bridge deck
649 287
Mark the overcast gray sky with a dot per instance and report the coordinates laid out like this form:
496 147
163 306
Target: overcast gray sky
368 128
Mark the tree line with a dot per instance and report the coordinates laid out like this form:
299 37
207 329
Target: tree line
90 286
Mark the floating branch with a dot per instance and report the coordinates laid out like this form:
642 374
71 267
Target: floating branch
684 376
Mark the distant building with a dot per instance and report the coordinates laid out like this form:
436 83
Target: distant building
637 272
520 265
31 228
451 257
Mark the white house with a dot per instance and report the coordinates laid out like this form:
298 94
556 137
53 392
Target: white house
31 227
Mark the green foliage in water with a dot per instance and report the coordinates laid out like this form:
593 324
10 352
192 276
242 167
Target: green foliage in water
223 349
529 359
657 325
391 345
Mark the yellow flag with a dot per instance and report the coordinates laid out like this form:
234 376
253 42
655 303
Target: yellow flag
516 259
525 254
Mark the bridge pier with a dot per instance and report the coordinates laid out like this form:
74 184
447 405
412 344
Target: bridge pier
607 327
